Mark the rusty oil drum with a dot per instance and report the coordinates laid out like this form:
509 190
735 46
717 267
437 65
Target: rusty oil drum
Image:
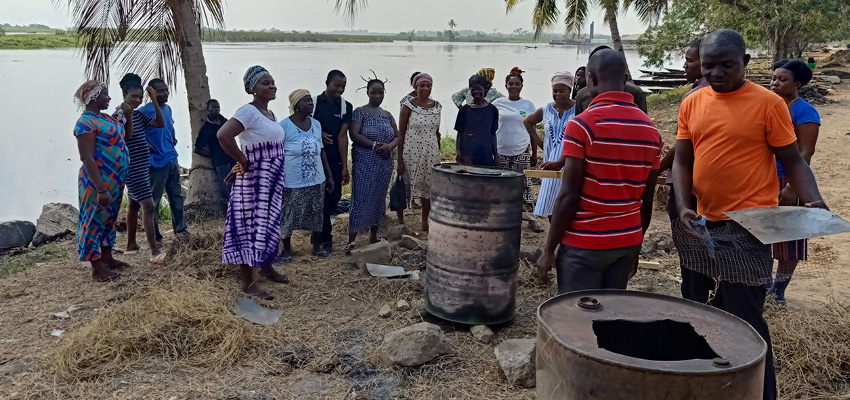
618 345
473 243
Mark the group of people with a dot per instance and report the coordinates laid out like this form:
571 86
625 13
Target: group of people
738 146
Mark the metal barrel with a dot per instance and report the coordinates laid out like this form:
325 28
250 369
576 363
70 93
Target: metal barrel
473 243
618 345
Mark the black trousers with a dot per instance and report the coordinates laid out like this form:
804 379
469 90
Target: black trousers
331 202
743 301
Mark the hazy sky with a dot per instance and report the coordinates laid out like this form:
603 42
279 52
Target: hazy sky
318 15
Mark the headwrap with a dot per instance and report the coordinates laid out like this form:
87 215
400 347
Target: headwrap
516 71
87 92
563 77
252 76
481 80
422 77
488 73
295 97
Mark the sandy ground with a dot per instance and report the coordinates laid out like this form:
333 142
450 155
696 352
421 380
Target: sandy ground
331 308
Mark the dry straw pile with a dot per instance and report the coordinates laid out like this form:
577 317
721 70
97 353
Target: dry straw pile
183 322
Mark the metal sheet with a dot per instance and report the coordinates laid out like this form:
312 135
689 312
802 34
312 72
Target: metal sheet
783 224
253 312
385 271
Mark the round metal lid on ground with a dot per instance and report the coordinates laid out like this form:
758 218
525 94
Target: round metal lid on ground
454 168
650 332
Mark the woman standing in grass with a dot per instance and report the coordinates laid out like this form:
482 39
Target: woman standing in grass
138 176
419 147
476 127
308 174
252 226
554 116
788 78
100 140
374 135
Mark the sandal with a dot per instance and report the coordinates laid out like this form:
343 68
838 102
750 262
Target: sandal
130 252
159 259
349 247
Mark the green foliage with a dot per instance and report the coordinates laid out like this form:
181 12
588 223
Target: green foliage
10 265
164 211
448 148
667 98
30 42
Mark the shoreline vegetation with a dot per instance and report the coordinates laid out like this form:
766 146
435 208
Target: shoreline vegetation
33 39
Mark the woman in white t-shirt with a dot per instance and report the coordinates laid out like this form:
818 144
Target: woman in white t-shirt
513 139
252 224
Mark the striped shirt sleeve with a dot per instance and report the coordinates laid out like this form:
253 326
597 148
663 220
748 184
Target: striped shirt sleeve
575 139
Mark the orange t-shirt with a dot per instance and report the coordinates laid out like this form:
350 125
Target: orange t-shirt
732 133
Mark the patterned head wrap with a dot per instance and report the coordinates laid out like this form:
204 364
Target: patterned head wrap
563 77
295 97
488 73
252 76
87 92
422 77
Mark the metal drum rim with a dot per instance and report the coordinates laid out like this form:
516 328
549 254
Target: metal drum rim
633 367
506 173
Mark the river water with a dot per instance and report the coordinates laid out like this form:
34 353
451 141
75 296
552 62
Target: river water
38 153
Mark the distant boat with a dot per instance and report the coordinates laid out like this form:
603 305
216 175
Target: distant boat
530 47
565 42
676 70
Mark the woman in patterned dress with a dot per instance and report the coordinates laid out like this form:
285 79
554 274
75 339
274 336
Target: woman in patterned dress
419 147
374 134
306 169
252 226
138 176
554 116
100 140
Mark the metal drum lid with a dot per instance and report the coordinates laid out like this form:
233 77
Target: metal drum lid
458 169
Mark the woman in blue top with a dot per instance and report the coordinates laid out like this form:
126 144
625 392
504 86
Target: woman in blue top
307 174
788 78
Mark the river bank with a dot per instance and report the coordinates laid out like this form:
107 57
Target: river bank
327 343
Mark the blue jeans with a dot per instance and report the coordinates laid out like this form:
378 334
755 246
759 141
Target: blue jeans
167 179
221 172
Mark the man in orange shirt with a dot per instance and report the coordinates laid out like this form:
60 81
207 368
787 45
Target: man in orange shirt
729 136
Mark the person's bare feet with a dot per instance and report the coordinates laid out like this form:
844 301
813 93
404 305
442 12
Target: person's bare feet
101 273
118 265
271 274
254 290
408 232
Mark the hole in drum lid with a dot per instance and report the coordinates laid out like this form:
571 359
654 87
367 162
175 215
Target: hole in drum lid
664 340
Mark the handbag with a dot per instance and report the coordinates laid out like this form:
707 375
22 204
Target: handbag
398 197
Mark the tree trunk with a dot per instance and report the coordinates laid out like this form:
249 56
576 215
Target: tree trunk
203 195
611 18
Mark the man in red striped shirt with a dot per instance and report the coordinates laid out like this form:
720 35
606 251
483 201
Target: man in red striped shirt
605 204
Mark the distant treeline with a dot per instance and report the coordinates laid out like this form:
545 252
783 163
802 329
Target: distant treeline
37 41
248 36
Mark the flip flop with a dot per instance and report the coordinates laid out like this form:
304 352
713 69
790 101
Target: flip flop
349 247
159 259
130 252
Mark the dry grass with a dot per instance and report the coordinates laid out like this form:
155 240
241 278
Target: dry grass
812 350
186 321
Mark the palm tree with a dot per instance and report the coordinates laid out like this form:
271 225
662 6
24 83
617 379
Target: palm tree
452 24
546 13
156 38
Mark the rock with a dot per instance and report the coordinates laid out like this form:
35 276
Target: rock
832 79
415 345
414 275
482 333
16 234
376 253
56 221
410 243
666 244
395 232
648 246
402 305
530 253
385 311
420 307
517 358
310 385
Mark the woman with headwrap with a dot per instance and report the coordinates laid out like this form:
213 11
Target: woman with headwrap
514 139
100 140
374 135
554 116
419 148
306 171
476 127
580 81
252 225
464 96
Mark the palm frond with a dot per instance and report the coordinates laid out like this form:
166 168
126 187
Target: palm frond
510 4
647 11
146 36
350 8
545 15
576 15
